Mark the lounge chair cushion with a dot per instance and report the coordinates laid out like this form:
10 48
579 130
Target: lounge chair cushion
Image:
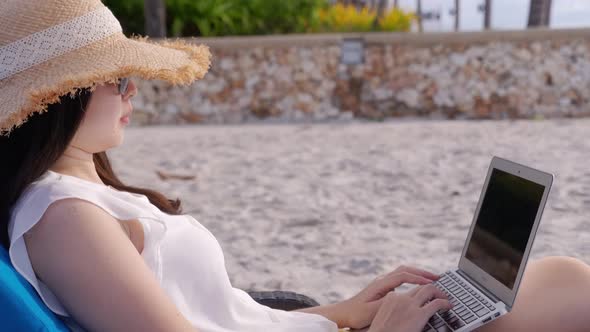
22 308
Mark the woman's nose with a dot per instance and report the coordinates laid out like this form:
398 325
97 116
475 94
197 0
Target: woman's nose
131 90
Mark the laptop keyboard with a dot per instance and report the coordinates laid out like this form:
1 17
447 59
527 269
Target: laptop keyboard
468 305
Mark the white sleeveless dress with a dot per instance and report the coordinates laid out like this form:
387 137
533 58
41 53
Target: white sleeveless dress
184 256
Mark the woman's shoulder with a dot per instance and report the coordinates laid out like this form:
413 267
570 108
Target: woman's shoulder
51 188
39 194
33 198
48 185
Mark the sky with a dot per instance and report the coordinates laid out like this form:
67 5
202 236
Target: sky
506 14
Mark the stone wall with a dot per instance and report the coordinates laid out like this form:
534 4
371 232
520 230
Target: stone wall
473 75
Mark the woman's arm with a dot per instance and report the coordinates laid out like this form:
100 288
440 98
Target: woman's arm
82 254
336 312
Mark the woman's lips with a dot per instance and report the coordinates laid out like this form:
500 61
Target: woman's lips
126 118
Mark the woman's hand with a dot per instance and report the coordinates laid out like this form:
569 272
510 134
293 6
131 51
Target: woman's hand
409 312
362 308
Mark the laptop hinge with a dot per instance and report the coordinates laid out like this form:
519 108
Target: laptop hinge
479 286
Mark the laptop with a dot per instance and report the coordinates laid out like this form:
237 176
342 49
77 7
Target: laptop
495 254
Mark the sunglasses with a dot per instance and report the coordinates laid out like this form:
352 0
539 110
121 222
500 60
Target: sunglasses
123 84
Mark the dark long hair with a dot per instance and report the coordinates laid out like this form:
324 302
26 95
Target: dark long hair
31 149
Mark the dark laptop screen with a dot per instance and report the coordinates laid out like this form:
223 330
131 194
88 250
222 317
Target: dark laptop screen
504 224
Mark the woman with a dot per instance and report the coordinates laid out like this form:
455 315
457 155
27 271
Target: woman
117 257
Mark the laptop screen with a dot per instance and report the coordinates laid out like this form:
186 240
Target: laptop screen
503 225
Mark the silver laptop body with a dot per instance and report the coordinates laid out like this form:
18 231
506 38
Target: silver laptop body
494 257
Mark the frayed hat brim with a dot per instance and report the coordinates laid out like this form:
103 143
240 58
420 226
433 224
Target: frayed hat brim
179 62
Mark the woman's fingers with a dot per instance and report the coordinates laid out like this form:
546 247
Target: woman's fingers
401 312
406 277
416 271
412 292
391 282
428 292
433 306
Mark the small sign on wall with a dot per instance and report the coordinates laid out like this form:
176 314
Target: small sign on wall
352 51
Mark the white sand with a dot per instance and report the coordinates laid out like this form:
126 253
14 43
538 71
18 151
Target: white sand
324 209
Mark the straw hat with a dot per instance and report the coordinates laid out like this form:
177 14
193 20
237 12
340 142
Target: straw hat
50 48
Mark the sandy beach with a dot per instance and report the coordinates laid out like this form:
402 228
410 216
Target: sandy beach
324 209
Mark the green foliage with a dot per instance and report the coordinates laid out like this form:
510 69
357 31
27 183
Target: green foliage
129 13
240 17
396 20
256 17
347 18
